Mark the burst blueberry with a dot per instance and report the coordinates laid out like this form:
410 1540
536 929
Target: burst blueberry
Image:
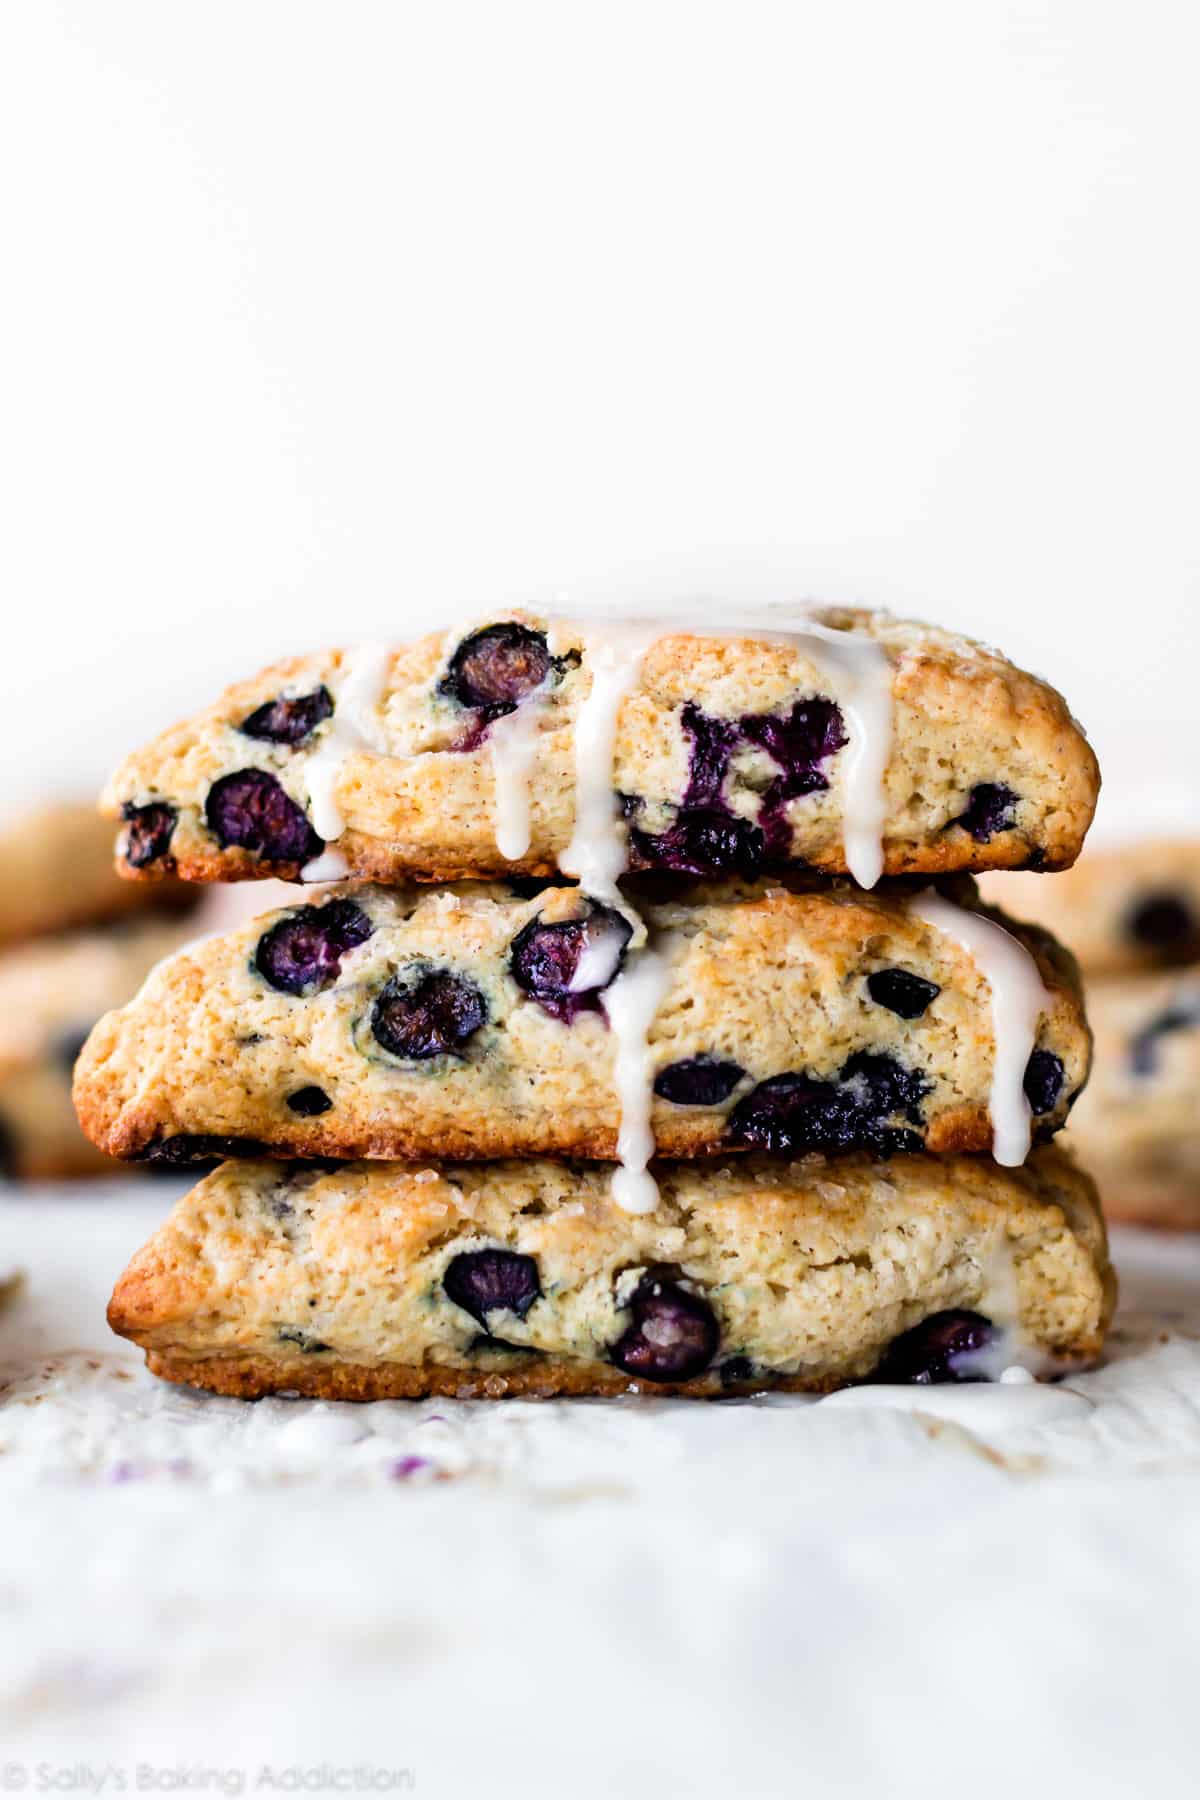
794 1114
489 1281
943 1348
250 810
309 1102
698 1081
149 831
290 718
673 1336
801 743
1043 1081
992 807
493 670
547 960
188 1147
902 992
303 953
701 841
422 1016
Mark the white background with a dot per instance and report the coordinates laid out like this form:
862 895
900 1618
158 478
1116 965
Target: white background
324 321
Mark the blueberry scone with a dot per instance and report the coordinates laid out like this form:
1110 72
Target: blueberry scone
58 874
378 1280
476 1021
843 740
1139 1124
1123 911
51 994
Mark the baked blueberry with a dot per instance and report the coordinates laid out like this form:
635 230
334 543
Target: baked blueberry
424 1015
1043 1081
801 743
698 1081
992 807
303 953
711 744
901 991
701 841
493 670
794 1114
487 1281
188 1147
1143 1051
290 718
942 1348
149 832
674 1335
1166 924
251 810
565 966
739 1372
309 1102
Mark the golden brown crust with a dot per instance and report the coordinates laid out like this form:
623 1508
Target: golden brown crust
347 1283
767 978
420 806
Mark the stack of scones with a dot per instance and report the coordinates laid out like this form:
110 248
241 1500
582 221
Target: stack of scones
643 1030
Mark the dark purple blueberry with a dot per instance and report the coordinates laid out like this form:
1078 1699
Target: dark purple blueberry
992 807
941 1348
1043 1081
250 809
487 1281
674 1334
901 991
290 718
795 1114
195 1146
433 1015
1166 924
544 960
801 742
493 670
309 1102
701 842
149 833
697 1081
303 953
738 1372
712 742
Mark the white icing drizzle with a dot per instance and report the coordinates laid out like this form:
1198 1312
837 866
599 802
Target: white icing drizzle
513 744
331 865
352 727
598 850
1018 1000
598 960
630 1005
864 693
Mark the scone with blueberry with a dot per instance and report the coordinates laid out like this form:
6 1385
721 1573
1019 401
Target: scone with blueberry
59 875
1133 909
477 1021
375 1280
842 740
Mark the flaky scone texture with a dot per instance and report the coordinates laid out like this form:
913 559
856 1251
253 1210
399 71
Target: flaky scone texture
716 771
1139 1123
762 982
58 875
373 1281
51 994
1133 909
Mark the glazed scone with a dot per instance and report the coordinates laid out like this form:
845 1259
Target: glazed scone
731 753
378 1281
51 994
59 874
1123 911
474 1022
1139 1123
